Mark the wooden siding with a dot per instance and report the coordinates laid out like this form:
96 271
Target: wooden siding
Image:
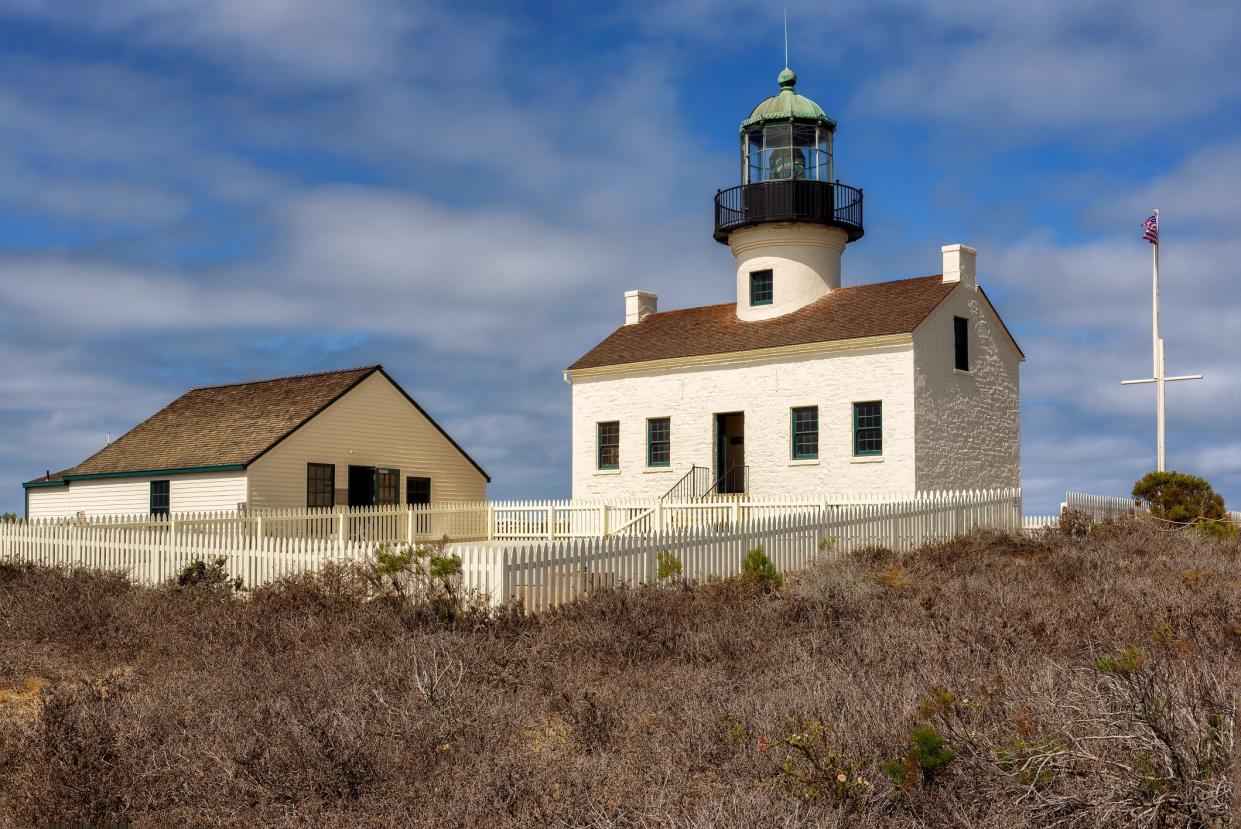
47 502
193 492
372 425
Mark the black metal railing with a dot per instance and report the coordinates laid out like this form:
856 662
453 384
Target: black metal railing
691 486
735 480
824 202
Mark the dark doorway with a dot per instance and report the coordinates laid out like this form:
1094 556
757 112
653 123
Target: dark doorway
361 486
730 466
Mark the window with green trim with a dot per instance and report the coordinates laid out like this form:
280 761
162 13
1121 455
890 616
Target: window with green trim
805 428
762 287
161 497
659 441
868 428
608 454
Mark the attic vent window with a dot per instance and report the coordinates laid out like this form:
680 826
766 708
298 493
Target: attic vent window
762 288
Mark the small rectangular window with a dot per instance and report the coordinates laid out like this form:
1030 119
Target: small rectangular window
388 486
961 342
161 497
320 484
417 491
609 445
806 433
762 288
868 428
659 442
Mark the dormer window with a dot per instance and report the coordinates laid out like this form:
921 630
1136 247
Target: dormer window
762 287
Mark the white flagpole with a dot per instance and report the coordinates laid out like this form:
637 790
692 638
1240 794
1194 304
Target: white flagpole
1159 376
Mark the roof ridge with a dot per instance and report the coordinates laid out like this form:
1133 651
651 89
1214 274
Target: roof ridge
286 377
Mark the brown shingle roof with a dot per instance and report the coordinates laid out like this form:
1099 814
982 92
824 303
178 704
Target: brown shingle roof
896 307
229 425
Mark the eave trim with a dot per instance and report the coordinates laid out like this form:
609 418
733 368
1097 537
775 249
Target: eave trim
751 355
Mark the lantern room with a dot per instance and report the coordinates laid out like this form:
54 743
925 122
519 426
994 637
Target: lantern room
787 136
788 169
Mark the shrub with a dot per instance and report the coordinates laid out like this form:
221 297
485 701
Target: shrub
1126 663
8 518
757 566
1175 496
927 758
419 578
208 575
667 566
806 767
1221 530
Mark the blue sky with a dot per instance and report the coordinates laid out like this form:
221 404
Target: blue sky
195 193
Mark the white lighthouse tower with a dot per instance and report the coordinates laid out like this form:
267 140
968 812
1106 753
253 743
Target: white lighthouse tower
789 220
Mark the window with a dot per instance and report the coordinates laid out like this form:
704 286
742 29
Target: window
609 445
868 428
659 442
320 484
961 342
417 490
762 287
388 486
806 433
161 497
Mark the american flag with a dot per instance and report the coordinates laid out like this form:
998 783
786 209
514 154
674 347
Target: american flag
1150 230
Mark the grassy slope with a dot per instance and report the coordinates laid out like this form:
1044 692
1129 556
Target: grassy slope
647 707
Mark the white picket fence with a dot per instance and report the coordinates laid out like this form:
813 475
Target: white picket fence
1103 507
541 574
504 520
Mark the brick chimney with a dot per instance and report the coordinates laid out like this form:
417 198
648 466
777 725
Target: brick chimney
959 264
638 305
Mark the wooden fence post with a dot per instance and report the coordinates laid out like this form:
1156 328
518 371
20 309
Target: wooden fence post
551 523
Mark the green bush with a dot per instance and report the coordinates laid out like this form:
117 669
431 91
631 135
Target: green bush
1127 663
1216 529
1175 496
667 566
927 758
8 518
756 565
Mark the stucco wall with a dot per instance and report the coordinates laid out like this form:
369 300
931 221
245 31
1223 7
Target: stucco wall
765 391
968 425
804 260
195 492
373 425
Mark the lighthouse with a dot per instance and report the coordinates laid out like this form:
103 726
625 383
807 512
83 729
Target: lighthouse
789 219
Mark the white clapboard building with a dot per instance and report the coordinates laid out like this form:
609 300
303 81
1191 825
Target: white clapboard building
338 438
805 383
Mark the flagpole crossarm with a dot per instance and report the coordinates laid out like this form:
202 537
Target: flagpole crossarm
1183 377
1135 382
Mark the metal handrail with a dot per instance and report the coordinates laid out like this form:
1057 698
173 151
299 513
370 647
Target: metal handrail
823 202
687 489
728 475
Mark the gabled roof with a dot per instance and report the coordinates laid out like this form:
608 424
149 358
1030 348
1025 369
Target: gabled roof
878 309
228 426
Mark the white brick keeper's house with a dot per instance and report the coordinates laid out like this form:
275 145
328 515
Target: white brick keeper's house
803 384
336 438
